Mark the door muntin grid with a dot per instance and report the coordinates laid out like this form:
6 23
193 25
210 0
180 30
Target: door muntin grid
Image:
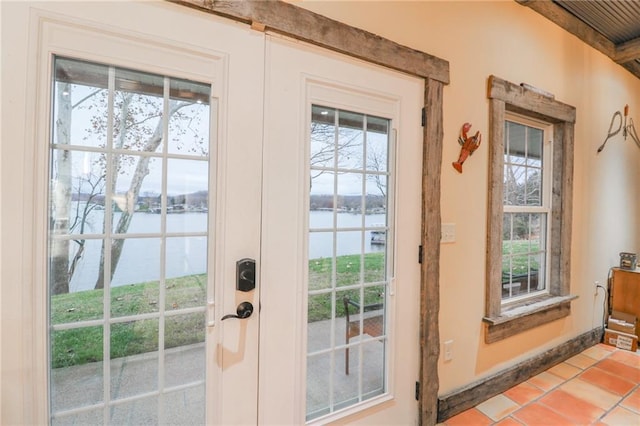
128 243
349 257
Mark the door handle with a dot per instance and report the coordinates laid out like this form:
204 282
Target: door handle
244 310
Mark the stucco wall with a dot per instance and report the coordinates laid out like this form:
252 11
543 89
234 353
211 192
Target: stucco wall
481 38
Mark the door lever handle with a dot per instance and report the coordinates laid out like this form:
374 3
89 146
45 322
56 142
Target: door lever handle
244 310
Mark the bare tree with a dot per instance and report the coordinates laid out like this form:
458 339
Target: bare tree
326 146
151 144
61 194
138 125
377 161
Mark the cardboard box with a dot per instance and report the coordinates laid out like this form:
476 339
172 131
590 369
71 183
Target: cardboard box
620 321
621 340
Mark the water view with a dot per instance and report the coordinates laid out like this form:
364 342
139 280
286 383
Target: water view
141 257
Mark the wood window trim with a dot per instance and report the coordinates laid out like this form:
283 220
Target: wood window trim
300 24
511 319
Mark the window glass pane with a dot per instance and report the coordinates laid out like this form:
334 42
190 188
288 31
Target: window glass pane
373 354
377 149
319 308
533 187
534 146
146 412
138 108
189 122
89 417
128 255
321 260
349 200
185 406
187 195
374 264
185 272
347 314
515 184
346 392
321 200
72 347
350 140
77 192
349 257
138 183
134 375
323 137
80 103
347 254
319 384
515 145
185 359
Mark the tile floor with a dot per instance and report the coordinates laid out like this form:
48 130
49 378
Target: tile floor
600 386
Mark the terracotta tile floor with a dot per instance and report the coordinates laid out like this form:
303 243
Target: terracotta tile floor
600 386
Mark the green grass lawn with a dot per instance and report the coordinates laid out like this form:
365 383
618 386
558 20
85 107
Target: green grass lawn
521 261
83 345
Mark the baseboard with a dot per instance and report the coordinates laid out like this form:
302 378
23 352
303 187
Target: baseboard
472 395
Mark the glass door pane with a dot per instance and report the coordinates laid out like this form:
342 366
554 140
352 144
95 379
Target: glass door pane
349 254
128 243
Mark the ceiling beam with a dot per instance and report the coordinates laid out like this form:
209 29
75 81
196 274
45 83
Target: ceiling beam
628 51
569 22
624 54
633 67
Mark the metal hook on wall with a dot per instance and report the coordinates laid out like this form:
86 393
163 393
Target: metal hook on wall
611 133
627 129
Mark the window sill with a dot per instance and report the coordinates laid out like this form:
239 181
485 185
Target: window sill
523 316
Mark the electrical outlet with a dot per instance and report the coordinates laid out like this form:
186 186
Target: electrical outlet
596 285
448 233
448 350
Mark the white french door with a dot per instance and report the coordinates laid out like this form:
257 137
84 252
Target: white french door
340 230
175 158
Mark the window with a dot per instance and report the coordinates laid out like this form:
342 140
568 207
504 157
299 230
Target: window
529 209
526 192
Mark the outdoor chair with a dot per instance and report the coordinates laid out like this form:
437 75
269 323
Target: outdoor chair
372 323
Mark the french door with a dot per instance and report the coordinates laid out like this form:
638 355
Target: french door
232 223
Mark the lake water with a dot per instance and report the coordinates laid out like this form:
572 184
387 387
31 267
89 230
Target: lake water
141 257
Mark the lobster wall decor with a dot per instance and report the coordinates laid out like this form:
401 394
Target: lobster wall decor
468 145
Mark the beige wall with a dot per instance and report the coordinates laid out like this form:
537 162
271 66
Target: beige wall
512 42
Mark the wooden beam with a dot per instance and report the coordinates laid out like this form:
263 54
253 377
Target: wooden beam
500 330
493 293
519 97
628 51
472 395
569 22
633 67
433 136
623 54
301 24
